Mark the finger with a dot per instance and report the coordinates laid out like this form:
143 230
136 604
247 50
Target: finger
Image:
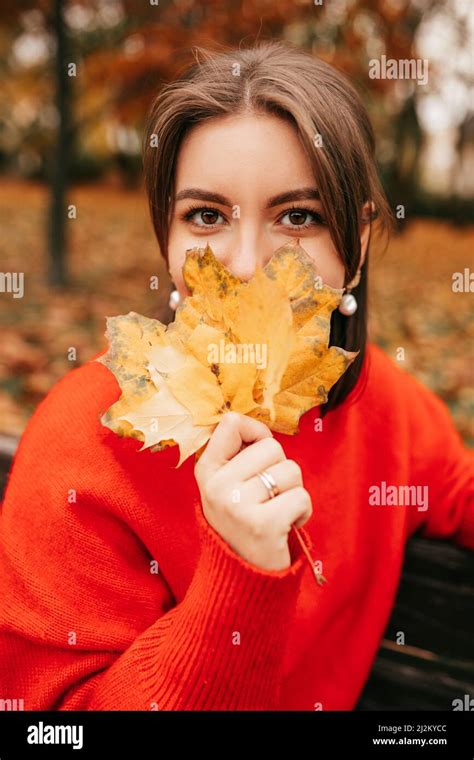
255 458
292 507
226 440
286 474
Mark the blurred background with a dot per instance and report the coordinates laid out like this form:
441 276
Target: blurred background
77 79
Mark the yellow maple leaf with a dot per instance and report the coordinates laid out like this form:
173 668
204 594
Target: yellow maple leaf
257 347
129 338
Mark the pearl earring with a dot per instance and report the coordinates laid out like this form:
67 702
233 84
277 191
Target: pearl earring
174 300
348 305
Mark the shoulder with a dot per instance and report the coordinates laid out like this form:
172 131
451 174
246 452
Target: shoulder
66 435
66 456
393 393
65 441
74 405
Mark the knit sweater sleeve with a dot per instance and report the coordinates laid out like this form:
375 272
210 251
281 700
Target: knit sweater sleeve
83 622
441 465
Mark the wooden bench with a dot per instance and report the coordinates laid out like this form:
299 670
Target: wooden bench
434 610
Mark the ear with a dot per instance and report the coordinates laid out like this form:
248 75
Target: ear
367 214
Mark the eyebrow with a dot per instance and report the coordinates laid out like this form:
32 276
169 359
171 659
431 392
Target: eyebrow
301 194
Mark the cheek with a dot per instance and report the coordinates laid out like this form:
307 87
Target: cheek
177 245
335 273
327 262
175 270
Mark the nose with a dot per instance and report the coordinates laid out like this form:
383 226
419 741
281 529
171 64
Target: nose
243 265
247 252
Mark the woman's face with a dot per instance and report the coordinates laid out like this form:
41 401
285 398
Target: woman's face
245 186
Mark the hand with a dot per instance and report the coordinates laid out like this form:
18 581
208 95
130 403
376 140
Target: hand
235 501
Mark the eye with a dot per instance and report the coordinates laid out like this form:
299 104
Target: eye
203 216
300 218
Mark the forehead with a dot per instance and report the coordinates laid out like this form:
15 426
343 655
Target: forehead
263 150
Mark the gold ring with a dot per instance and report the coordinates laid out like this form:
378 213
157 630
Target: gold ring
269 483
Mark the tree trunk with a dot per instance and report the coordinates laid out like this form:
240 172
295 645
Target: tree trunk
60 156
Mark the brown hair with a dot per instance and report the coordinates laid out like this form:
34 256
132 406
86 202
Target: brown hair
277 78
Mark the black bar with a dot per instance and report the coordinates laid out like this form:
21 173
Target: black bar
155 734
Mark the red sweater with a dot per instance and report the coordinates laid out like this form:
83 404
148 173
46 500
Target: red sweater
118 594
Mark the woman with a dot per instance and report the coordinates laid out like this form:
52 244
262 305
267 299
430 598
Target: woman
134 585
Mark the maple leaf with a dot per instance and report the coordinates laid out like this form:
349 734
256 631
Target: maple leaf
129 338
259 348
313 367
